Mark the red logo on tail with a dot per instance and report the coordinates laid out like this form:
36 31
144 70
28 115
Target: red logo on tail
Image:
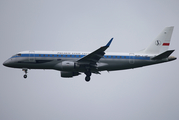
166 44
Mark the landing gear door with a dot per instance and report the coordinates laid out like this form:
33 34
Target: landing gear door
131 58
31 56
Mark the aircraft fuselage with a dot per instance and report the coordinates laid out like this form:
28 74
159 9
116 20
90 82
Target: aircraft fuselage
74 63
109 62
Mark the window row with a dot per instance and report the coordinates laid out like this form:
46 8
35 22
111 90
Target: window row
61 55
43 55
79 56
115 56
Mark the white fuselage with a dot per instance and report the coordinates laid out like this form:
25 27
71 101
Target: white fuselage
74 63
109 62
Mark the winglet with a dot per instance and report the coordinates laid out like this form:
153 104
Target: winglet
108 44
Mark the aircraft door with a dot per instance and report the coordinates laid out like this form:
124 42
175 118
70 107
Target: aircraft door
31 56
131 58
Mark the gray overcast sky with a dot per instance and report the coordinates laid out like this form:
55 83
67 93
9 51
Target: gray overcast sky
138 94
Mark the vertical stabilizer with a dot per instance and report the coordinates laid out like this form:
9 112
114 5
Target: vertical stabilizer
161 43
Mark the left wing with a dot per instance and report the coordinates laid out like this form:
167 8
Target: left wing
95 56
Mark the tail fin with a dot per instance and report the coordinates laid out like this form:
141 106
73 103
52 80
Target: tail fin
161 43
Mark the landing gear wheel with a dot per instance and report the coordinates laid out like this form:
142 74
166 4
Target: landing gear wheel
87 78
88 74
25 76
25 70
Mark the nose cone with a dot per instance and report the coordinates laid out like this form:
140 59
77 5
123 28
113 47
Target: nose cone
6 63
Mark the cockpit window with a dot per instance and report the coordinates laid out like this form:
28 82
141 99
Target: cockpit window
18 54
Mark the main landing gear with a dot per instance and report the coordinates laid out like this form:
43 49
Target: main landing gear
25 70
88 74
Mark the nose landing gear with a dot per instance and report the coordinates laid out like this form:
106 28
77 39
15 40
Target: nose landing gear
25 70
25 76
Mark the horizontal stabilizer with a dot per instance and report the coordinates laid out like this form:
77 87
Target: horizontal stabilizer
163 55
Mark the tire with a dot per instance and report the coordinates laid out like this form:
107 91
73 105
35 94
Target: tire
87 78
25 76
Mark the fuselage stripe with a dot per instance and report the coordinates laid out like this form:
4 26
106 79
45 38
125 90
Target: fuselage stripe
80 56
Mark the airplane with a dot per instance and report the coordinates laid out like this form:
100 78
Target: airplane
74 63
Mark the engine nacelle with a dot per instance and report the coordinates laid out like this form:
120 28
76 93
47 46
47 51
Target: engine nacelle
69 74
66 66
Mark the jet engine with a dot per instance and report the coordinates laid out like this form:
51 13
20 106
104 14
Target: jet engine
69 74
66 66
